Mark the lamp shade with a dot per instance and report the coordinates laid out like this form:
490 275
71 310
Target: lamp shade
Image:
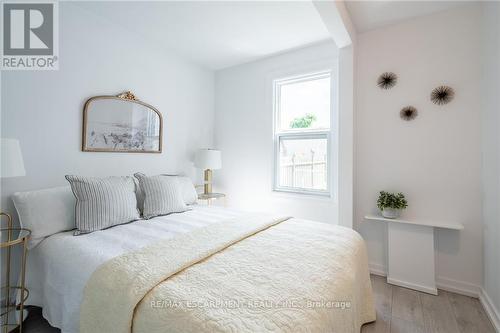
208 159
12 164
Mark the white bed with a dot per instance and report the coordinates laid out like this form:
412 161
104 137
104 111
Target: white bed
108 280
60 266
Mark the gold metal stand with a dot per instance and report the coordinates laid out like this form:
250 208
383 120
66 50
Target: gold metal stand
208 182
22 237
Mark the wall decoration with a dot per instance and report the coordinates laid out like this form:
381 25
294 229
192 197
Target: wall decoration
408 113
387 80
121 124
442 95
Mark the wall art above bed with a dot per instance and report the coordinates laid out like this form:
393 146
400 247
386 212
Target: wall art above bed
121 123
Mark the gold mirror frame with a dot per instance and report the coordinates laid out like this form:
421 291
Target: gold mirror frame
125 96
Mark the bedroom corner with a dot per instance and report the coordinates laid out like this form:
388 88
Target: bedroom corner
249 166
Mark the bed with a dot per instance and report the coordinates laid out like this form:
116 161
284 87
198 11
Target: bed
208 269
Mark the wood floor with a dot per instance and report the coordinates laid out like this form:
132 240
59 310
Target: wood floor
404 310
398 310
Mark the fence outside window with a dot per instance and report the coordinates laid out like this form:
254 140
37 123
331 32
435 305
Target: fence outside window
308 172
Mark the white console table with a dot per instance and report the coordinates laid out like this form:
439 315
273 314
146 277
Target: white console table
410 252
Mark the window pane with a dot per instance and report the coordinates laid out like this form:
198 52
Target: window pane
305 104
303 163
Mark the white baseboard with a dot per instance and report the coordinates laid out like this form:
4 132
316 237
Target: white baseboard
492 312
458 287
377 269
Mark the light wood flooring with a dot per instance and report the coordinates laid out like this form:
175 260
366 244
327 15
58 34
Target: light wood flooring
398 310
404 310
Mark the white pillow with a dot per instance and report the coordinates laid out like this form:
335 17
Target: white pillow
187 190
102 203
45 212
162 195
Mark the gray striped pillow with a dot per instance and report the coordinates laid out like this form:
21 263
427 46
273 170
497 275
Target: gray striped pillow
162 195
103 202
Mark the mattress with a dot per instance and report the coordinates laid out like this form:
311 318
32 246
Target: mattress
60 266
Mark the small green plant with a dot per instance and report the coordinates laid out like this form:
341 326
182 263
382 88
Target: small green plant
303 122
391 200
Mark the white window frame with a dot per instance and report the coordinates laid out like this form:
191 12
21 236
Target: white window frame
292 134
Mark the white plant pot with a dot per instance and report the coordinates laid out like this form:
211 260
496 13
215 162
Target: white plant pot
391 213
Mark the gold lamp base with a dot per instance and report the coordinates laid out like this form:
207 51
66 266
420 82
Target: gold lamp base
207 187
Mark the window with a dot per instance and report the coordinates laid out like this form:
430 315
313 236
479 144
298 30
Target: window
302 108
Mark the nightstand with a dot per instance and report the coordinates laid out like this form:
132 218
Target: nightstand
212 196
12 312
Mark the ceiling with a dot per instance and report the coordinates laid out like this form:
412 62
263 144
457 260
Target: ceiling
369 15
217 35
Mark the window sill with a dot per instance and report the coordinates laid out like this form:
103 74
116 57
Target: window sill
290 194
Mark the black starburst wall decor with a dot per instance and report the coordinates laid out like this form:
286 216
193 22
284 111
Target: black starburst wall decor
408 113
387 80
442 95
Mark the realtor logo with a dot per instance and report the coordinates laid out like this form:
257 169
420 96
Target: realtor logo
29 32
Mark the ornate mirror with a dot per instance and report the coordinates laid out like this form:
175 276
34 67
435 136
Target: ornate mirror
121 124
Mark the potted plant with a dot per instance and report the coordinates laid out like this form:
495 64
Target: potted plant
391 204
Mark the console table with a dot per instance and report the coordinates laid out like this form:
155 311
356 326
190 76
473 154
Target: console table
410 252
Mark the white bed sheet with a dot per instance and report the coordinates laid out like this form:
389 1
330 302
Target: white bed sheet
60 266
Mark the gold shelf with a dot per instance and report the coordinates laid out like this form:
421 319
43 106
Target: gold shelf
22 233
4 309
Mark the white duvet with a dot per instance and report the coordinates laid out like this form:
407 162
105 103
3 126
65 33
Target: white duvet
60 266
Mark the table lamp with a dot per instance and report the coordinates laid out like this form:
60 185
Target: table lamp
208 160
11 162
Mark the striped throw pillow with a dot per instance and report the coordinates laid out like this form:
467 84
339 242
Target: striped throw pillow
103 202
162 195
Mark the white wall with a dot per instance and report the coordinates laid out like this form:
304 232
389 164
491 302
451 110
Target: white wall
244 133
491 153
346 102
436 158
43 109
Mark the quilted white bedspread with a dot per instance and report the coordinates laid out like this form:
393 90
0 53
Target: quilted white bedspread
250 274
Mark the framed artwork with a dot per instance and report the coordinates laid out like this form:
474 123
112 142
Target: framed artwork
121 124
